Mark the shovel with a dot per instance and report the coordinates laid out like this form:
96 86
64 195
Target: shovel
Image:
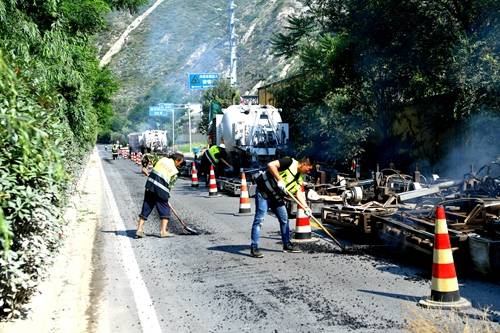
317 222
189 230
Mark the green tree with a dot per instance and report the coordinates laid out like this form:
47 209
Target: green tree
53 100
382 58
222 95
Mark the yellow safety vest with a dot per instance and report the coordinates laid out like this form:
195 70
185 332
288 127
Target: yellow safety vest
291 177
211 154
162 177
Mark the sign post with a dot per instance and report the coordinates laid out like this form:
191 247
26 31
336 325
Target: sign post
189 129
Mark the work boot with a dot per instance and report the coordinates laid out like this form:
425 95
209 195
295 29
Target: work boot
139 233
165 234
254 252
290 248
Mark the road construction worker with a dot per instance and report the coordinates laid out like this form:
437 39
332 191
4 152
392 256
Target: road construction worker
213 156
114 150
158 186
283 177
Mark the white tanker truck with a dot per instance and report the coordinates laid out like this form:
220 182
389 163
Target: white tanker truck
253 135
147 141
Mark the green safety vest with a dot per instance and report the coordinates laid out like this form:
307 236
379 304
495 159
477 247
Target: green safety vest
211 154
291 177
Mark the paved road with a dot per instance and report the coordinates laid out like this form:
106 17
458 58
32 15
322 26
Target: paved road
209 283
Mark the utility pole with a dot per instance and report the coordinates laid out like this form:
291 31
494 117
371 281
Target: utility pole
232 45
173 128
189 128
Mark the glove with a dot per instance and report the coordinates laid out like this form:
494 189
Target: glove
282 186
308 212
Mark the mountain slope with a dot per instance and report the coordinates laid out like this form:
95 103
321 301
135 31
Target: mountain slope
191 36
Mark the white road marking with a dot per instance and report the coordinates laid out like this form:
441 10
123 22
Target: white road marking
145 308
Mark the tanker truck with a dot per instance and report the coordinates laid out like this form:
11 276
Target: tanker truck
253 135
134 141
154 140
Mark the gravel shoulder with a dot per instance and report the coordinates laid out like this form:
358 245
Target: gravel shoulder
64 297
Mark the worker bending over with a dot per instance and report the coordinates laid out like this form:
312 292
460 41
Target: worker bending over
213 156
283 177
158 185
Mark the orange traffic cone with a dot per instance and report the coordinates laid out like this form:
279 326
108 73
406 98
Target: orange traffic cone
444 289
303 233
138 159
245 207
212 189
194 176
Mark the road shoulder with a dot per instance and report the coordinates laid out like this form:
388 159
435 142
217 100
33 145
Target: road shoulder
64 297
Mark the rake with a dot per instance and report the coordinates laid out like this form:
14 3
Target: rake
189 230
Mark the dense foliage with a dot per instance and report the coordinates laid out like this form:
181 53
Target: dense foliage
380 78
53 100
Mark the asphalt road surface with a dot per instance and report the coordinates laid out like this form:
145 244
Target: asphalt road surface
209 283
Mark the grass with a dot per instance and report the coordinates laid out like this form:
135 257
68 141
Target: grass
184 148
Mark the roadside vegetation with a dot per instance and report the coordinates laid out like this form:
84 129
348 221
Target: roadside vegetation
222 95
391 81
54 99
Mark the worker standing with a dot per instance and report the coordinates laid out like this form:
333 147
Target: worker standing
213 156
158 185
114 150
283 177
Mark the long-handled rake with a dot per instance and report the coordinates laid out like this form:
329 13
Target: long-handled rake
315 220
189 230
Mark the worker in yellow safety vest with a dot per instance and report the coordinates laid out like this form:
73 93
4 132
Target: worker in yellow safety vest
158 186
283 177
114 150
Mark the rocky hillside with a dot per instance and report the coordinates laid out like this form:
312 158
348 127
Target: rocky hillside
180 37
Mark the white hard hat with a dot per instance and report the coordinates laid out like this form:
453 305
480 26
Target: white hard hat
222 146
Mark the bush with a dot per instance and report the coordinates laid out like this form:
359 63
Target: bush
31 183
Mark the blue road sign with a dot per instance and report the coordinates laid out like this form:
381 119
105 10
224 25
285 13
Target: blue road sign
199 81
162 110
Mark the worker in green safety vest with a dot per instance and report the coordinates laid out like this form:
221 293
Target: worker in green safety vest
214 156
283 177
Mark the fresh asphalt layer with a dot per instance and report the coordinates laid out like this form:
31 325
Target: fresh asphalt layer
209 283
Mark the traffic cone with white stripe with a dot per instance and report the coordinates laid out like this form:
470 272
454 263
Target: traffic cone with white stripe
303 233
194 176
212 186
444 289
245 207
